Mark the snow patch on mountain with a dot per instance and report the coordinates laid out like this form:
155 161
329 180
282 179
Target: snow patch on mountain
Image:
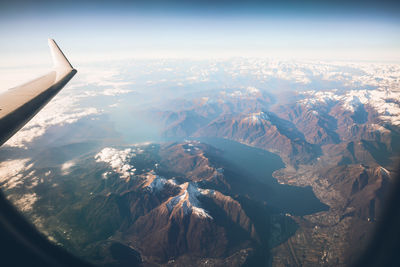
187 200
155 182
257 118
248 92
191 146
313 98
384 171
385 102
377 127
252 90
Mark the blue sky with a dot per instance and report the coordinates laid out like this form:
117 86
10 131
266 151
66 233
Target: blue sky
99 30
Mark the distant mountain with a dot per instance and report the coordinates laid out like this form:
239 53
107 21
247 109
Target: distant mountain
343 144
263 130
241 180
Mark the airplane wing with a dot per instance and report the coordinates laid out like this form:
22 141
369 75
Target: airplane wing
19 104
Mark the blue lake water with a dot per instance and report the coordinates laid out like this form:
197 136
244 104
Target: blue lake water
256 166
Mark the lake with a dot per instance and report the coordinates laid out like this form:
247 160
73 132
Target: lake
256 166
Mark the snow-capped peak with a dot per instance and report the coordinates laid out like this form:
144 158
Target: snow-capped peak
384 171
155 182
384 102
187 201
252 90
257 117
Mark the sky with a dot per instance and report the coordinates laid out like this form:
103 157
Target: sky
113 30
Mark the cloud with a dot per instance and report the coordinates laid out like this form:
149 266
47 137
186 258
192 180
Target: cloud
25 202
62 110
115 80
115 91
65 168
12 172
66 107
105 81
118 160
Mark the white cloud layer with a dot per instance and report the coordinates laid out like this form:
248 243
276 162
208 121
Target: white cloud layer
66 167
118 161
12 173
248 77
60 111
25 202
66 107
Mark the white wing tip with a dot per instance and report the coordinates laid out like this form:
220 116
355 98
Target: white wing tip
59 60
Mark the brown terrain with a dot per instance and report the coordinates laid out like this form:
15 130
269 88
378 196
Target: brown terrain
349 158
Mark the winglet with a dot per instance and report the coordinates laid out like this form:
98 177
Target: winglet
61 63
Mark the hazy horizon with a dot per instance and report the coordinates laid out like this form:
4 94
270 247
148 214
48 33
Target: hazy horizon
98 31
